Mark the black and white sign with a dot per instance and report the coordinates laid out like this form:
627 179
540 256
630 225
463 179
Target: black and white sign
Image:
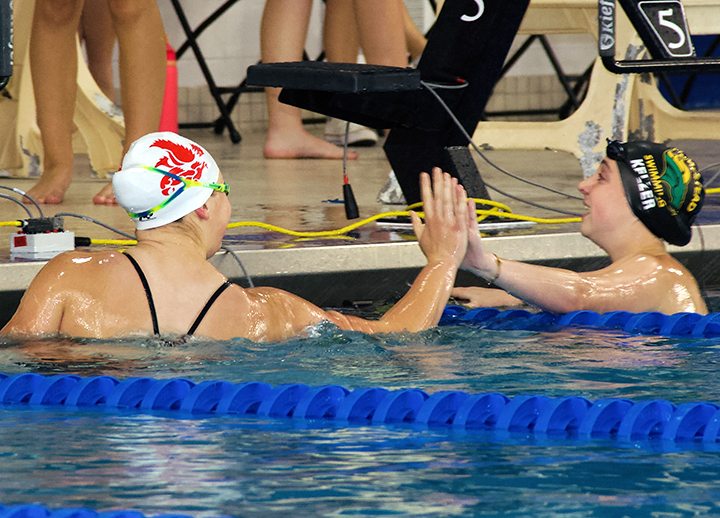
667 20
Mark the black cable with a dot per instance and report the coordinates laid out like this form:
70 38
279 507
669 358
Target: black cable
428 86
234 255
92 220
23 193
8 197
351 209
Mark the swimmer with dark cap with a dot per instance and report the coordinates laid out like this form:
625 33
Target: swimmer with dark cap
641 195
174 191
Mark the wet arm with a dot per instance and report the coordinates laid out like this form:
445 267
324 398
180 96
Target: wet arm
276 314
420 308
550 289
640 283
443 240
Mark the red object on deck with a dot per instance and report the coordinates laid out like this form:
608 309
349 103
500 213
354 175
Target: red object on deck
169 115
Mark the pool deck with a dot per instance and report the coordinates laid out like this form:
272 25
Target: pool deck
376 259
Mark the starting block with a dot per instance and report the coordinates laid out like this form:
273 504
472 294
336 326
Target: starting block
461 63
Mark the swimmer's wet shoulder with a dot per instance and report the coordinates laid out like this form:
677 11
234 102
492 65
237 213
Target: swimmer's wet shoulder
638 282
74 294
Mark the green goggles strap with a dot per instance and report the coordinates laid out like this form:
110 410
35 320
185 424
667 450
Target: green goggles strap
220 187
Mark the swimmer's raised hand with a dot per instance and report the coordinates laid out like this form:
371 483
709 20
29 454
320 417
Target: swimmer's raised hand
443 237
477 260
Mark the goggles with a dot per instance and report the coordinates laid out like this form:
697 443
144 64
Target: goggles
616 151
185 183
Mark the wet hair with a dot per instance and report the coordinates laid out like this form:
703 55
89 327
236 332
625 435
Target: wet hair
662 185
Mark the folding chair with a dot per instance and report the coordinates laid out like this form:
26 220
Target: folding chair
573 86
217 92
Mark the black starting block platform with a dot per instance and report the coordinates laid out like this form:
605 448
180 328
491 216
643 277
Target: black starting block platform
375 96
349 78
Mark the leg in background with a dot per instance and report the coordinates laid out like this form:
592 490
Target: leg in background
414 38
340 33
382 32
342 43
98 33
283 31
141 41
53 63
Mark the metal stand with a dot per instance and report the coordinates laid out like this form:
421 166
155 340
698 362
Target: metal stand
6 42
224 121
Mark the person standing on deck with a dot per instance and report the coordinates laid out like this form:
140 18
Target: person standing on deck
642 193
53 61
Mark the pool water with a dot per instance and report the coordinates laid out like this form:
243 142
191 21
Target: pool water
247 466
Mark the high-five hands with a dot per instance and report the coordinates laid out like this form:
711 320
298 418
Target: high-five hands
444 236
475 256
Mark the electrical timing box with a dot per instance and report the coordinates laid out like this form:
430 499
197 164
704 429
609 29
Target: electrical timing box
41 239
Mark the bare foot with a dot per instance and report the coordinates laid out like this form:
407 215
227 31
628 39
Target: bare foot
105 196
51 187
301 144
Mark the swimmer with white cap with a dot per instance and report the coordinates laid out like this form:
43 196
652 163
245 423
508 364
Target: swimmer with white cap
174 191
641 195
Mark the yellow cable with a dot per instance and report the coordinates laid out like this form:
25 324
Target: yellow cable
324 233
500 210
327 233
714 190
121 242
478 201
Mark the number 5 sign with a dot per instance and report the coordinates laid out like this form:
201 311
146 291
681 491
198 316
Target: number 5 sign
667 20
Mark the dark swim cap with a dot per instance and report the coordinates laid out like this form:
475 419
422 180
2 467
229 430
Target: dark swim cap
663 186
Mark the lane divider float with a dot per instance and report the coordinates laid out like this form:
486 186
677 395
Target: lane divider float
572 417
688 325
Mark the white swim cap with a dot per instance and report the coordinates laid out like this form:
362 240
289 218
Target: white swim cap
152 187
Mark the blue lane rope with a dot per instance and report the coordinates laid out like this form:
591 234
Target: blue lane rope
541 416
689 424
39 511
687 325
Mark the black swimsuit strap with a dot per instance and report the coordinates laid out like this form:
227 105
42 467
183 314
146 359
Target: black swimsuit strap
208 305
148 293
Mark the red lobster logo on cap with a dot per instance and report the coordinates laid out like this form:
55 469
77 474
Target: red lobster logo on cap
181 161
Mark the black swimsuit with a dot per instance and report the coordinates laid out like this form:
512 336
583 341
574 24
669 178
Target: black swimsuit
153 313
